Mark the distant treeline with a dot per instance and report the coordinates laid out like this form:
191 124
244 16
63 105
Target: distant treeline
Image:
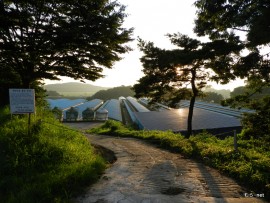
242 90
217 96
210 94
113 93
73 88
51 93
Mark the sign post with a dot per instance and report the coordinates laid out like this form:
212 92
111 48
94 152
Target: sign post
22 101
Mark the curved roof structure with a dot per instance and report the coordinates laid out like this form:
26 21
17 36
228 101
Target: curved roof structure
136 105
114 110
94 104
64 103
176 120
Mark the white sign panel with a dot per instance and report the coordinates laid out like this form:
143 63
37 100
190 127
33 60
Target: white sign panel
22 101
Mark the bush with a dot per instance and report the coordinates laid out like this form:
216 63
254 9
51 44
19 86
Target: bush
257 124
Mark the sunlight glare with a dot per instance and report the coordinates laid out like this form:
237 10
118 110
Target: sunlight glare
180 111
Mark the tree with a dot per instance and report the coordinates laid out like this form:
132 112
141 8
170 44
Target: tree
249 18
220 18
51 93
230 19
113 93
238 91
46 39
212 97
224 92
253 95
8 79
169 73
257 125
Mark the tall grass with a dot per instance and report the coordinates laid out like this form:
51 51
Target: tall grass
250 165
52 164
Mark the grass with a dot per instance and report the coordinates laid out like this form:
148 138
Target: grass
250 165
52 164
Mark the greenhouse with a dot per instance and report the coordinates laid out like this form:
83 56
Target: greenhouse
206 116
78 105
64 103
114 110
102 114
176 121
136 105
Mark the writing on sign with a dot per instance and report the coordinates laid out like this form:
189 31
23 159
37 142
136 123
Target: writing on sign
22 101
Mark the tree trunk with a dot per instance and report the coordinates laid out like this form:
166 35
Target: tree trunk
192 102
190 115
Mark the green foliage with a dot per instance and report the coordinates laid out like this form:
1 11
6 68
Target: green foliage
52 164
218 18
172 70
258 124
264 91
212 97
219 21
113 93
224 92
4 115
250 165
53 94
47 39
57 113
168 73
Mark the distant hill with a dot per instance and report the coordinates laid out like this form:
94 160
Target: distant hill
113 93
225 93
74 89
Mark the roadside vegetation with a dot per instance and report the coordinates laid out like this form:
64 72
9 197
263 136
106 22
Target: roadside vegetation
250 165
51 164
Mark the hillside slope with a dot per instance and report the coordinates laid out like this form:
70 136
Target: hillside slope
113 93
74 89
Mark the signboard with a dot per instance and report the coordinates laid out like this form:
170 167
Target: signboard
22 101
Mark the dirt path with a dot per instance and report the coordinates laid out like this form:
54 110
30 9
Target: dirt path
144 173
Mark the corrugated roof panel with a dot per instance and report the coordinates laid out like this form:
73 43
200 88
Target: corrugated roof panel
113 107
217 108
176 120
137 105
95 103
64 103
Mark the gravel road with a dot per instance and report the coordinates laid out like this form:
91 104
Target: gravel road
144 173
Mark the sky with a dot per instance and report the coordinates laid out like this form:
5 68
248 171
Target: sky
151 20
